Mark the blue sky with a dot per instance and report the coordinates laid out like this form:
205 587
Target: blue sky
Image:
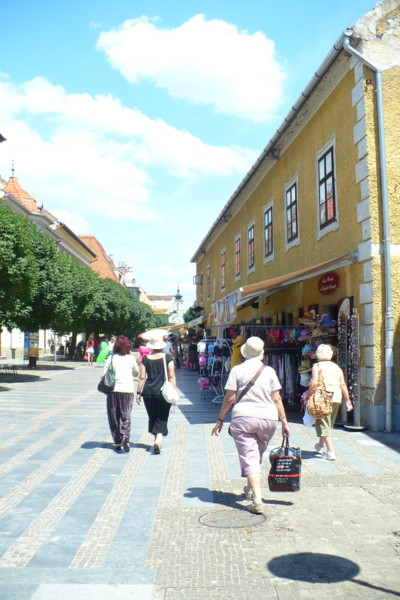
136 121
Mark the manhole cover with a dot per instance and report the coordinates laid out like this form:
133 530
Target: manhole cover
231 519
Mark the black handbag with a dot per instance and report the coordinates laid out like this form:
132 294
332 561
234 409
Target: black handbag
284 475
107 381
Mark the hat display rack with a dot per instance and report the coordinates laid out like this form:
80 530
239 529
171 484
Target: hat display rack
214 363
316 330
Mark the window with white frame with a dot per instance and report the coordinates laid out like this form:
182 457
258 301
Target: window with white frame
237 257
201 288
326 189
251 259
223 269
268 232
292 213
208 282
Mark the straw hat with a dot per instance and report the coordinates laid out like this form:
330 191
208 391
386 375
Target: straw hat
253 348
156 342
316 332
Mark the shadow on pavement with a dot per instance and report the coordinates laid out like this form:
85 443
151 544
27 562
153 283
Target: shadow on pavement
319 568
225 498
20 378
110 445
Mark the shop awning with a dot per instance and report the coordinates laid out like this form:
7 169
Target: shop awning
250 299
197 321
250 292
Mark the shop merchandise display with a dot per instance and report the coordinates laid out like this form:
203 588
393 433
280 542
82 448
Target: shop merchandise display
213 359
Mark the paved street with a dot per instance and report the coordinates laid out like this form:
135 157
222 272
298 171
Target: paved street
81 522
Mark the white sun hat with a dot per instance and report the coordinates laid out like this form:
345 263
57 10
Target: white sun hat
253 348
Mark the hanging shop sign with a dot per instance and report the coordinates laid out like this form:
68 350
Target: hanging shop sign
328 283
224 310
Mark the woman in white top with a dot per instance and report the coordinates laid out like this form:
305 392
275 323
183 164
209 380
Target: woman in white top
334 381
120 400
255 417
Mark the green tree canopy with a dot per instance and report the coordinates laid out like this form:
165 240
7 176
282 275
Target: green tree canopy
25 258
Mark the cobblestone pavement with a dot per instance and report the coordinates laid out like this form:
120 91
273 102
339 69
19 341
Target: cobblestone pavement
79 521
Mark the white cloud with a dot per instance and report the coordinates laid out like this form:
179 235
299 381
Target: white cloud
207 62
94 155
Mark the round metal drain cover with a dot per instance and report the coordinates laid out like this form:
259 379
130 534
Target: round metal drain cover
231 519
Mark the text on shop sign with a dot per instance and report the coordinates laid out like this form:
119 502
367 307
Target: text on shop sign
328 283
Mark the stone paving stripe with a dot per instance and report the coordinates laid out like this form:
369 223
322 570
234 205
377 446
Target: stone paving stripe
171 493
135 528
48 413
24 548
22 455
95 592
22 435
95 546
12 425
19 492
374 450
196 469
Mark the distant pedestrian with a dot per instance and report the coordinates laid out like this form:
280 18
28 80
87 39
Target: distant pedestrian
193 355
334 381
255 417
120 400
168 345
90 351
143 350
151 379
104 351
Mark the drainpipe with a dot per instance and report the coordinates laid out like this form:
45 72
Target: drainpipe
386 231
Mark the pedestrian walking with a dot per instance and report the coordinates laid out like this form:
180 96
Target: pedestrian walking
258 407
90 351
334 381
193 355
104 351
143 350
151 379
120 400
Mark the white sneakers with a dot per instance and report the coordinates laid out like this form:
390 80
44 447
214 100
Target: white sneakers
329 456
319 449
256 508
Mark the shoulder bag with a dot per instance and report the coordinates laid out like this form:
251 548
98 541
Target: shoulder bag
107 382
319 404
247 387
168 391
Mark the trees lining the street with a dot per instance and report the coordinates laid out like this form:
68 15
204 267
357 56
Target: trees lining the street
42 288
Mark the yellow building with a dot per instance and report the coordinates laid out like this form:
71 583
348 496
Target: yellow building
314 226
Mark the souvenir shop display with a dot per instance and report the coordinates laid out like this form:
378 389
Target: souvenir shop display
282 353
316 331
214 359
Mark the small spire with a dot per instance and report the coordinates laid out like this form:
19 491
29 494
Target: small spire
12 168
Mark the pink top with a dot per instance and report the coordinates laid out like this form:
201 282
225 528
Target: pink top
143 351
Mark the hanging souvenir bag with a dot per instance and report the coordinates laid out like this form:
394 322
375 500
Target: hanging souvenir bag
319 404
284 475
107 382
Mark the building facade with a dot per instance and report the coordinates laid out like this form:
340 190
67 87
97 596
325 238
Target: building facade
313 229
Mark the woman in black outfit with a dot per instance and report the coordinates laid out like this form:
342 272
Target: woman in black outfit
151 379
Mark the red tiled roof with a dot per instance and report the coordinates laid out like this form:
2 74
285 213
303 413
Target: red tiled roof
160 298
103 265
14 188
